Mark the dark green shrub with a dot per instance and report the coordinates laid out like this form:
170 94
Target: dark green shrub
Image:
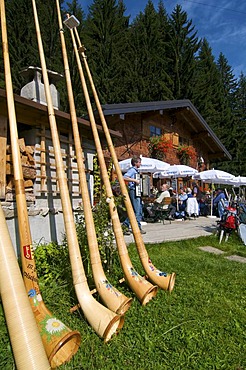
52 262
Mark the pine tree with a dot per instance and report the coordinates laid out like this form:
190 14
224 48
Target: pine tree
207 88
239 111
148 37
22 37
184 44
229 120
105 35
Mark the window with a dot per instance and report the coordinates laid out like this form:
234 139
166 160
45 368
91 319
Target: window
155 131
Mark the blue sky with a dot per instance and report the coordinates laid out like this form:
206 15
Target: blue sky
221 22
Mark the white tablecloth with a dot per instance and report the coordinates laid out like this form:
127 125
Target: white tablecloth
192 207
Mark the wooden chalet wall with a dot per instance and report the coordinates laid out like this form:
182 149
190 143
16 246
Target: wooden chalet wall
135 130
38 165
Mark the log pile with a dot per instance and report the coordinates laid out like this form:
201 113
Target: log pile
28 168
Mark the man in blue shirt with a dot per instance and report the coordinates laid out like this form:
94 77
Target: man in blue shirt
130 177
219 202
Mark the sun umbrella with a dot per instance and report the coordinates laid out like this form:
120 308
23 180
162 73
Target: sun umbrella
214 177
239 181
147 165
176 170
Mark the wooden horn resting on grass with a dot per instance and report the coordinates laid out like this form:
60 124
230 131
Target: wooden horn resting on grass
23 331
143 289
162 279
112 298
59 341
104 321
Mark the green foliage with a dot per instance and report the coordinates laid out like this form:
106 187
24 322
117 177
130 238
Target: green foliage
105 40
52 262
102 224
182 330
183 46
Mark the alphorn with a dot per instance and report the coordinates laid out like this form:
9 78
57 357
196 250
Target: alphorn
24 336
162 279
143 289
112 298
104 321
59 341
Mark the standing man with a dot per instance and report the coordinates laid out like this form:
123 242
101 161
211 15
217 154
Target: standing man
130 178
219 202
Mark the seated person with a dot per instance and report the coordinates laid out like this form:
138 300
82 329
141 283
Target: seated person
169 209
164 194
171 191
151 208
172 208
204 205
182 199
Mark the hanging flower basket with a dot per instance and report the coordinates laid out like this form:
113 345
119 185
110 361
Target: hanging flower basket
159 146
186 153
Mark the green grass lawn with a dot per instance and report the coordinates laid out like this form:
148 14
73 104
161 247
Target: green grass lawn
200 325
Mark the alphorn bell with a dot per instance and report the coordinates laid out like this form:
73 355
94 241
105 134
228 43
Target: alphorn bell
162 279
104 321
143 289
112 298
59 341
23 331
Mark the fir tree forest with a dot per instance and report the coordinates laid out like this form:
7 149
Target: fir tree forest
153 57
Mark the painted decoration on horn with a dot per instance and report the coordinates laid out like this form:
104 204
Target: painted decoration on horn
158 272
51 326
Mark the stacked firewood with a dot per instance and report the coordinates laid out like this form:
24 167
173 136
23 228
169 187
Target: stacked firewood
28 168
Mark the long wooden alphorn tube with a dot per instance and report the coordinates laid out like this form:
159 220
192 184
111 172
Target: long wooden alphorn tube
162 279
112 298
143 289
59 341
24 336
104 321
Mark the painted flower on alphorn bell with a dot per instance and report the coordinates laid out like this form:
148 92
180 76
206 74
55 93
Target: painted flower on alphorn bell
161 273
158 272
136 276
33 295
110 288
51 326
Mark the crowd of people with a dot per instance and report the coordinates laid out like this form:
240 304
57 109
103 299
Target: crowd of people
187 202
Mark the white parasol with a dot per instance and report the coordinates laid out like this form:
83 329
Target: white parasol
147 165
238 181
176 170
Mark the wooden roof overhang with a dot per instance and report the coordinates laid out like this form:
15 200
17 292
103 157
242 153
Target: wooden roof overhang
32 113
187 113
